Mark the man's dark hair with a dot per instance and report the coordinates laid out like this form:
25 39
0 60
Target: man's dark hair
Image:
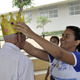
56 37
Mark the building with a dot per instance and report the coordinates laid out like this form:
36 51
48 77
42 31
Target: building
61 14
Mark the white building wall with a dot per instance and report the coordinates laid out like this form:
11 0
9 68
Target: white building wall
58 23
33 23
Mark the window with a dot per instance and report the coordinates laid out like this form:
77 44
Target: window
50 12
44 13
53 13
74 8
28 15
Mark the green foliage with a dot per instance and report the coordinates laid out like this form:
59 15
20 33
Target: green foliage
42 21
28 20
40 26
54 32
18 3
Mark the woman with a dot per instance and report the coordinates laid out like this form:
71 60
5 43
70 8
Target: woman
65 59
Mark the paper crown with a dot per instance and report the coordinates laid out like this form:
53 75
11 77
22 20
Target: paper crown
8 26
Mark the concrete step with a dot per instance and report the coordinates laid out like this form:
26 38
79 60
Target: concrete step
40 75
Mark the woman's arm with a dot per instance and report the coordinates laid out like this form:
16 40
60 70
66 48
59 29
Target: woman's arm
41 54
54 50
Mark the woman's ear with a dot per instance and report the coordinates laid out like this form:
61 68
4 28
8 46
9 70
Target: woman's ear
77 42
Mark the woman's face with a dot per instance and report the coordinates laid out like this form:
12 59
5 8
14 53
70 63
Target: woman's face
68 40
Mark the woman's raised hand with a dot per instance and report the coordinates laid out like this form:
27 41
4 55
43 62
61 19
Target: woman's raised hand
22 27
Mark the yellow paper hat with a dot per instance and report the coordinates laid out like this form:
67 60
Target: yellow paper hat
8 26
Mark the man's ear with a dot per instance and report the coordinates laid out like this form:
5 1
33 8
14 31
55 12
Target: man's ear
77 42
19 37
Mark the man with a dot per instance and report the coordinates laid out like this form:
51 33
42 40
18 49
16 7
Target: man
13 64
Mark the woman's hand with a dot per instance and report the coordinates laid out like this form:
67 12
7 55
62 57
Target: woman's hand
22 27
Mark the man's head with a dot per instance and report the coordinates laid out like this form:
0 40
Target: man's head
54 39
17 39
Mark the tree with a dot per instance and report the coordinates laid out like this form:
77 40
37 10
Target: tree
0 20
21 3
42 22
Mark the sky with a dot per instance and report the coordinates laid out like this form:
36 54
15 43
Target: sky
6 5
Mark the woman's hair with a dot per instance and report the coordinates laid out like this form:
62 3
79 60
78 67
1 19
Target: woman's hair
76 31
56 37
